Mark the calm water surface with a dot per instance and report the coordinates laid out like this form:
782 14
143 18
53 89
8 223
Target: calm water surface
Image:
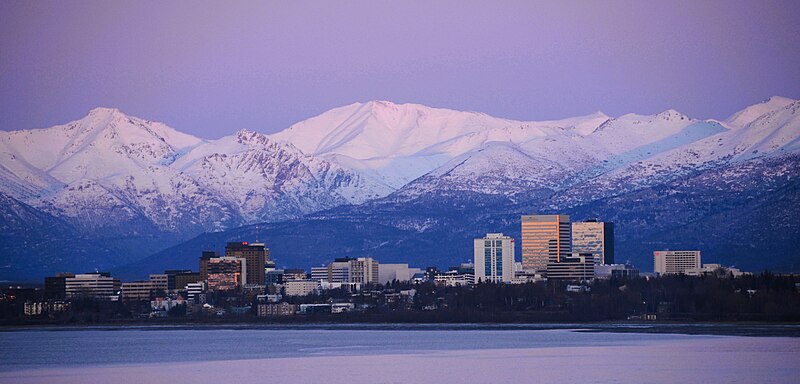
70 347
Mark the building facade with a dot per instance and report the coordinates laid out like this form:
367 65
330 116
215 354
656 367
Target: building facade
91 285
576 267
279 309
494 258
256 254
300 287
226 273
55 287
545 238
675 262
595 237
362 270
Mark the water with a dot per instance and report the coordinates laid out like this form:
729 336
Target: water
115 350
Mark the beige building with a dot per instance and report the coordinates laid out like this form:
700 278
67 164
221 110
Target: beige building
675 262
300 287
545 238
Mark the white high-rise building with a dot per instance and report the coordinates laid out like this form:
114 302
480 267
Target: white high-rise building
494 258
675 262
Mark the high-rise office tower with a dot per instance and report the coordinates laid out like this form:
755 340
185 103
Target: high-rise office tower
545 238
595 237
256 255
494 258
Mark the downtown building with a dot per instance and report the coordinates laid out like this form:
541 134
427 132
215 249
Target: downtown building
494 258
142 290
361 270
226 273
97 285
256 255
545 239
576 267
675 262
595 237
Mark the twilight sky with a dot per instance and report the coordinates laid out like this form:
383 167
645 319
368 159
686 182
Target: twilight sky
262 66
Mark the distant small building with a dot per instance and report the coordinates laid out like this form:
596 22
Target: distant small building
308 309
714 269
301 287
36 308
577 267
617 271
277 309
177 279
342 307
363 270
97 285
675 262
400 272
453 278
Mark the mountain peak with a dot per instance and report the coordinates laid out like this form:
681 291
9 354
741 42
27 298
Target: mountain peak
105 112
672 114
753 112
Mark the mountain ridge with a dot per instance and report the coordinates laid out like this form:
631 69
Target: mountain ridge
109 175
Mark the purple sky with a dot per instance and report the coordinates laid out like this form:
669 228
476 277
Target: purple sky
212 70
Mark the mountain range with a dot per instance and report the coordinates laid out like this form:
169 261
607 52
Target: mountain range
400 182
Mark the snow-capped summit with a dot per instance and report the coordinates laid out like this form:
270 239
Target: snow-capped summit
753 112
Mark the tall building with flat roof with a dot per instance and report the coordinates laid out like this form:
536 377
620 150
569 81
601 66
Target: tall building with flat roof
494 258
675 262
256 254
595 237
545 238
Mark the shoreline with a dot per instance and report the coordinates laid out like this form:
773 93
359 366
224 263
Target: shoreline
748 329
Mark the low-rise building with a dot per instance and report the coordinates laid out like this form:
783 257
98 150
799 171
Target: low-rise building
714 269
675 262
97 285
577 267
617 271
453 278
400 272
277 309
300 287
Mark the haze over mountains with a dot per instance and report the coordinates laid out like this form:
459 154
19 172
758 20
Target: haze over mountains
399 182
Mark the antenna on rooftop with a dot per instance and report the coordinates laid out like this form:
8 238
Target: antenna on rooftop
256 233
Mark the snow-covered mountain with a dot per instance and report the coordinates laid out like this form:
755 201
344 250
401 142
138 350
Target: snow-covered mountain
114 176
397 143
112 171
